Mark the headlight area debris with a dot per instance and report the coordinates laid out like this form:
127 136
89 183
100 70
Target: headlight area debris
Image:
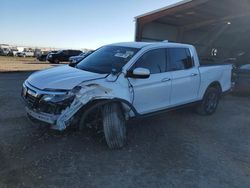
83 95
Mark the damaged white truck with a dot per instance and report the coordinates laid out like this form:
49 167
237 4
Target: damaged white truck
122 81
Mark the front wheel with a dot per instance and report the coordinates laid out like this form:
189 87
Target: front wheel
210 102
114 126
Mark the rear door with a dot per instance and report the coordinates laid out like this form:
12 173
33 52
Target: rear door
153 93
70 53
64 55
185 76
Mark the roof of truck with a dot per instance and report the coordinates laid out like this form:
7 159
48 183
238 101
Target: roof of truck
140 45
132 44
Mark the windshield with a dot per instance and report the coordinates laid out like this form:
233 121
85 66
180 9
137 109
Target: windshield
107 59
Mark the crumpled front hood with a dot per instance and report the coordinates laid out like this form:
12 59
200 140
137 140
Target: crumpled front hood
61 78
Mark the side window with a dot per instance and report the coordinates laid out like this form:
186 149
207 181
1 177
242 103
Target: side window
154 60
75 52
179 59
71 52
65 52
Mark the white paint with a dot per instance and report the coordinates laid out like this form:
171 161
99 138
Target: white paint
159 91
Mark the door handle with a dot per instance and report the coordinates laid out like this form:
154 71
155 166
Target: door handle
194 74
166 79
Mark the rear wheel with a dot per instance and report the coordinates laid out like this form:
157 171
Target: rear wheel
210 102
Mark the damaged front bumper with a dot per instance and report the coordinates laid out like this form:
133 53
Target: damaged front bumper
60 121
44 117
38 108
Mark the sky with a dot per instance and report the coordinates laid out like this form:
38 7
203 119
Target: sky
71 23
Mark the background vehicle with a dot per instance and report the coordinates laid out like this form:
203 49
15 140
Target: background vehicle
43 55
19 54
62 55
5 51
28 53
76 59
25 54
14 51
242 85
121 81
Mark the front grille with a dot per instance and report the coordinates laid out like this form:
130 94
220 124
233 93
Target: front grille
31 101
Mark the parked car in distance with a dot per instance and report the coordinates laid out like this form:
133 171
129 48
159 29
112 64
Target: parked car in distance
244 69
5 51
19 54
76 59
43 55
25 54
28 53
122 81
242 85
14 52
62 55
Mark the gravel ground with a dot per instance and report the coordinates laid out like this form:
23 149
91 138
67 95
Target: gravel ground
176 149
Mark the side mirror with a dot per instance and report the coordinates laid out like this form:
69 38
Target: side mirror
141 73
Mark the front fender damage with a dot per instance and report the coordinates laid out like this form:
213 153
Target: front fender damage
83 96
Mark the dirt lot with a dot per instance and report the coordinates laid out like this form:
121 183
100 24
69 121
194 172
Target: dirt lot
177 149
10 64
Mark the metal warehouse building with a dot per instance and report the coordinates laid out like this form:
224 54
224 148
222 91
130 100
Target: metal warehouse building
220 29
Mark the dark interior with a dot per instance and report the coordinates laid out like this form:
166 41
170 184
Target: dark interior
219 29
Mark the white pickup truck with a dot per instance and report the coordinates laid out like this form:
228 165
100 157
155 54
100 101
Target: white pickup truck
122 81
28 53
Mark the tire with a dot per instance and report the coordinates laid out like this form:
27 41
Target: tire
114 126
210 102
56 61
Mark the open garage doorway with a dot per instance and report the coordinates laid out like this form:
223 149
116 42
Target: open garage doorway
220 30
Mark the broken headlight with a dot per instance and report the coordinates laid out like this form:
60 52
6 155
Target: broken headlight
61 98
58 98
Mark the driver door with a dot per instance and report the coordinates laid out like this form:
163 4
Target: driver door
153 93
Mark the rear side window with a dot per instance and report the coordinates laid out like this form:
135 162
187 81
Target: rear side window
179 59
76 52
72 52
154 60
65 52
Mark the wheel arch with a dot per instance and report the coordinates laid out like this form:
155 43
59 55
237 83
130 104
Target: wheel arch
94 104
215 84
